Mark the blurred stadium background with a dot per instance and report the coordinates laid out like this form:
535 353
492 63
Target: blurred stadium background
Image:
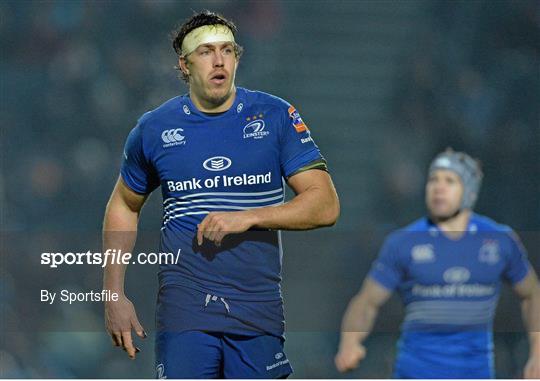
383 85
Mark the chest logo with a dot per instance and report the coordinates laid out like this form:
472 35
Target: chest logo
255 129
423 253
489 252
217 163
456 275
173 137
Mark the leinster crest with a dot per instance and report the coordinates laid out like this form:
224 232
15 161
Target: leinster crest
489 252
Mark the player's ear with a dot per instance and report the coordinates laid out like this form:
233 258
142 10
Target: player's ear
182 64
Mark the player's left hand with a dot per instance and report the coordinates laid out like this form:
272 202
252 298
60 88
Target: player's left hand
532 369
217 225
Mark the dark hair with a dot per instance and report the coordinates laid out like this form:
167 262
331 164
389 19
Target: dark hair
197 20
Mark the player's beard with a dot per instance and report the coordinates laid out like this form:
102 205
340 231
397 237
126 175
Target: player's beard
216 99
446 217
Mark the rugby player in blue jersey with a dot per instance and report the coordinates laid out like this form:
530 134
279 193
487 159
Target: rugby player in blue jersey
447 269
221 155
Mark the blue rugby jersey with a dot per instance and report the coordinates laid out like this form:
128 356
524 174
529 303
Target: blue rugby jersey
450 290
230 162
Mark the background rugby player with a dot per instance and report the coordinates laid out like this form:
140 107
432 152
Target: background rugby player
448 269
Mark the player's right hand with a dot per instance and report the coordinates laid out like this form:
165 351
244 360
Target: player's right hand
349 356
120 319
532 369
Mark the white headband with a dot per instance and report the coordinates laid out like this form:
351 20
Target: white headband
206 34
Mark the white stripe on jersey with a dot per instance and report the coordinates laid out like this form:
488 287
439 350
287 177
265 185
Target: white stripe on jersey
458 312
187 202
224 194
223 208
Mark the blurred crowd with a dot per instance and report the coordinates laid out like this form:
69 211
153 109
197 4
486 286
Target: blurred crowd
76 75
472 84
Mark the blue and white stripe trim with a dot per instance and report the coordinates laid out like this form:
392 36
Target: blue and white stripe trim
204 203
451 312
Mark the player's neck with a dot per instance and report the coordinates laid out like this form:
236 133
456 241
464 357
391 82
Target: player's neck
456 226
209 107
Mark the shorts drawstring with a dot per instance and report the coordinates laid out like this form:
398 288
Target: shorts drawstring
226 305
213 298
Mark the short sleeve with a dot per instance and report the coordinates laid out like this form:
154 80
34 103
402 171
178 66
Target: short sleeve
386 270
517 265
297 146
136 171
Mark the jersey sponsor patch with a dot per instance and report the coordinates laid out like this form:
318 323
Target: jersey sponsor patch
217 163
456 274
297 121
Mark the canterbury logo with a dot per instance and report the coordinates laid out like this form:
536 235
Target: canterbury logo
217 163
172 136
